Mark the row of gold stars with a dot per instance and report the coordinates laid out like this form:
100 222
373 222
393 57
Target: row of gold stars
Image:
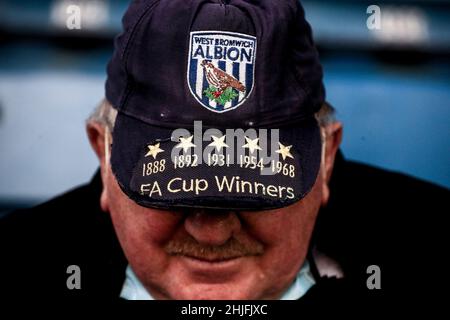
219 143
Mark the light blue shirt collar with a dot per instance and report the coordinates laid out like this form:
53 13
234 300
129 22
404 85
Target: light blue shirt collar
134 290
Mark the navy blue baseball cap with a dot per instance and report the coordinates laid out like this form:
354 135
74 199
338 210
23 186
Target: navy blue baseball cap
216 103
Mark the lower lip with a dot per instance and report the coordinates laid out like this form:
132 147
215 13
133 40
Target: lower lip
213 270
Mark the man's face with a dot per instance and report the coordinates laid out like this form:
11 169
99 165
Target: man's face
198 254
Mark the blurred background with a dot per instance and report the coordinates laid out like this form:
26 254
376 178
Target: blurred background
390 85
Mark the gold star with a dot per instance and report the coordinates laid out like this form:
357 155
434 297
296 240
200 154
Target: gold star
252 144
219 143
285 151
185 143
153 150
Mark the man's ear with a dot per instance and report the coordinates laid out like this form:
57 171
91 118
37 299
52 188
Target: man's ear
96 133
333 138
99 137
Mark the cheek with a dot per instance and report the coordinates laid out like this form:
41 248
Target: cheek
286 226
286 233
140 230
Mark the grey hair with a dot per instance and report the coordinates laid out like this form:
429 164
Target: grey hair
326 115
105 115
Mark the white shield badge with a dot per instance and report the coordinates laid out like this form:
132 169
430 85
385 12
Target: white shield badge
221 68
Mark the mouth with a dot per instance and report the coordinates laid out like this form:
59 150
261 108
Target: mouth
212 270
212 258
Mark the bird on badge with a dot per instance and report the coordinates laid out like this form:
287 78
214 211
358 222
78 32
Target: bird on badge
220 79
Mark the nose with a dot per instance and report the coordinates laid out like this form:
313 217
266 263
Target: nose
210 227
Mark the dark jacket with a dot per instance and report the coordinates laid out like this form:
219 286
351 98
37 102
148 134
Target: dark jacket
374 217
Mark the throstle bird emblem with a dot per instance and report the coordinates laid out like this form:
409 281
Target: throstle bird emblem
220 79
221 84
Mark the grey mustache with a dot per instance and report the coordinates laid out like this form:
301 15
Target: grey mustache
229 250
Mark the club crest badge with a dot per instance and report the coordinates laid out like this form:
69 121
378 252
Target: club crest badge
221 68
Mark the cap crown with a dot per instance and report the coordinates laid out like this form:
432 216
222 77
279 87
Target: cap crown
244 63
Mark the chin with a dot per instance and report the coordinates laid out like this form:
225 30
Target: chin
192 279
214 292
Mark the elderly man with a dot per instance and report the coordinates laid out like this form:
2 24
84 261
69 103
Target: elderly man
220 175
